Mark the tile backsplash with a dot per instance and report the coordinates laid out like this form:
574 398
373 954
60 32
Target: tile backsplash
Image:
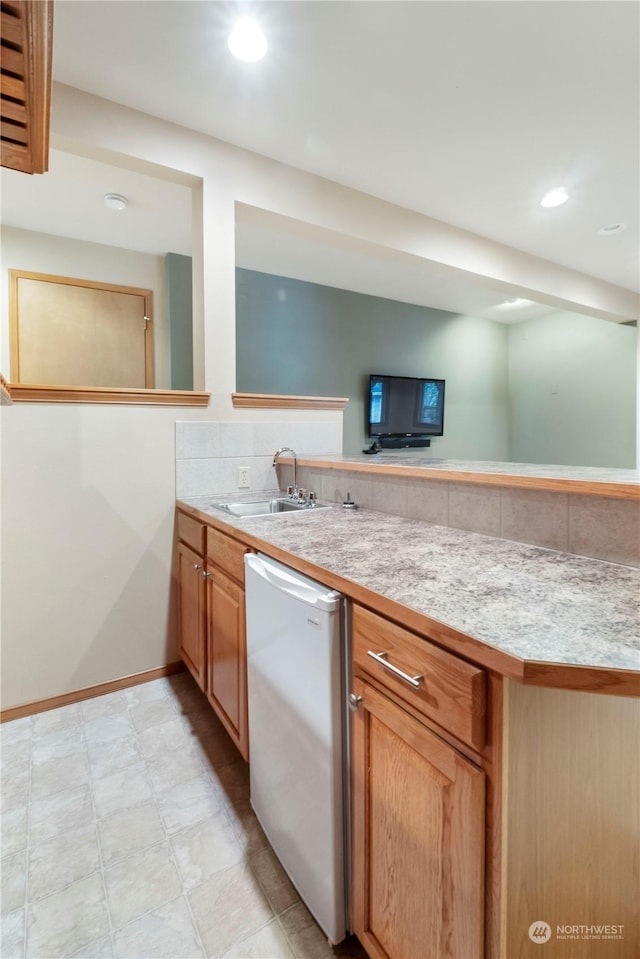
208 455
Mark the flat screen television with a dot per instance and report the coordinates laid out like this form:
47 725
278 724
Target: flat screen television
404 411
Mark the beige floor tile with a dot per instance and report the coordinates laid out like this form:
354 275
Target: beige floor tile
13 832
12 935
308 941
228 907
173 767
269 941
101 949
165 933
15 758
191 702
215 748
148 692
182 682
129 831
274 881
57 744
57 719
109 757
120 790
156 740
108 705
248 830
233 781
69 856
60 814
102 729
16 731
304 934
189 803
140 883
61 924
13 871
14 789
205 849
153 713
55 775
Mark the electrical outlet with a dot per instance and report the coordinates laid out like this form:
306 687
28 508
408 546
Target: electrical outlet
244 477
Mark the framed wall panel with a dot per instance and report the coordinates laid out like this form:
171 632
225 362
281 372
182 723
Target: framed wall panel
73 332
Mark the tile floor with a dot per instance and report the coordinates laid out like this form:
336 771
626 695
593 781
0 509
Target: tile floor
127 832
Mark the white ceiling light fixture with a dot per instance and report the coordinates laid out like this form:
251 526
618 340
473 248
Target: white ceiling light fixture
115 201
515 301
612 228
247 41
555 197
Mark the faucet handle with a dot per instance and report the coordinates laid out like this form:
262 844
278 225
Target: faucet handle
302 495
289 490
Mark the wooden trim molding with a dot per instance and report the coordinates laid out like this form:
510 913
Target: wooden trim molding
5 392
274 401
89 692
36 393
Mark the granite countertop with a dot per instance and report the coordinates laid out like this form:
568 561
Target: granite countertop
525 601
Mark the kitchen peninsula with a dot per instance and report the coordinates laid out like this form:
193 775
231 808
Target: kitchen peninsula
530 718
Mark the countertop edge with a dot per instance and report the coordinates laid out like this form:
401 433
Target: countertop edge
627 491
594 679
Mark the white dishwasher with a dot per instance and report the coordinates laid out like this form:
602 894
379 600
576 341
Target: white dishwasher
296 661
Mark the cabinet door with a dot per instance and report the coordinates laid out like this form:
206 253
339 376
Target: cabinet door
227 656
191 617
418 838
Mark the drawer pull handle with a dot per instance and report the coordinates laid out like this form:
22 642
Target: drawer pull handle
415 681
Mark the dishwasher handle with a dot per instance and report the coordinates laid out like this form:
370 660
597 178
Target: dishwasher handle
289 582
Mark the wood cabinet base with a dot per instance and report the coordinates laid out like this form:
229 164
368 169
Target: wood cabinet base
418 838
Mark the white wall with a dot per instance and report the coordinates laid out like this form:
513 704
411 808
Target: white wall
61 256
87 520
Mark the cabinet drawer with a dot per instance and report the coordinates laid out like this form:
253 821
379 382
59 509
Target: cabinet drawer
226 553
452 692
191 532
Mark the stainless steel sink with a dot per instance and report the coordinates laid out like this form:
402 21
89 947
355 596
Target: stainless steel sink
263 507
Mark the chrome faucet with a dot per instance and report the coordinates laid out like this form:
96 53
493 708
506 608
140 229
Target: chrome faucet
287 449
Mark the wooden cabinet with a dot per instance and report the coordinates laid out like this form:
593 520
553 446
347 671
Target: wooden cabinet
418 812
227 656
190 568
226 636
191 612
210 577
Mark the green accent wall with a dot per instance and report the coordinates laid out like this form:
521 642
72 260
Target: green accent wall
179 315
572 389
295 337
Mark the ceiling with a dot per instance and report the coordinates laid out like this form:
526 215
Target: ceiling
464 111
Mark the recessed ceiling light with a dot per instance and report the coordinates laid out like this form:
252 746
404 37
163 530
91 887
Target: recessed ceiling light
115 201
612 228
514 301
247 41
555 197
